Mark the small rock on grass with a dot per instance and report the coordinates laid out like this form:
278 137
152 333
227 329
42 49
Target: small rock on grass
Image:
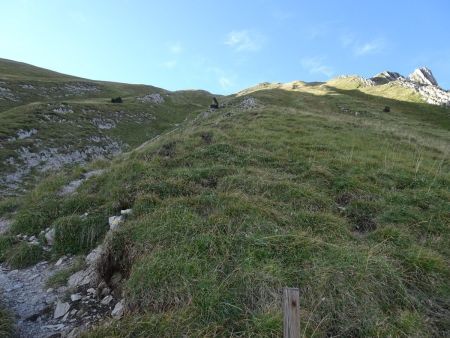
118 310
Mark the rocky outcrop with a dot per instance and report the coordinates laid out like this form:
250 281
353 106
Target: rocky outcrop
54 158
386 76
151 98
363 81
421 81
248 103
423 76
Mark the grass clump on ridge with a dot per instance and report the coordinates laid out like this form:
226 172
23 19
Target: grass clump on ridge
23 255
6 324
293 193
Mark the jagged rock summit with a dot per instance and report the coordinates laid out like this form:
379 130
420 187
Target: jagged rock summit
423 76
389 76
421 81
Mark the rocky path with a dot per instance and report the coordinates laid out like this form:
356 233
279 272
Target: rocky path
85 300
25 294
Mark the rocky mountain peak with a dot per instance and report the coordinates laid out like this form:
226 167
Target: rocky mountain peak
423 76
388 75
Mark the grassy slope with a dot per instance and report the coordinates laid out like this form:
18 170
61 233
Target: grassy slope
352 208
36 107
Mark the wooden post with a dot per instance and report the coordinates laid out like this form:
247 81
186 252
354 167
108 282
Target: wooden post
291 313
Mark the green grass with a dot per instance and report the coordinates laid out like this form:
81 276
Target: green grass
132 122
295 194
350 205
6 324
23 255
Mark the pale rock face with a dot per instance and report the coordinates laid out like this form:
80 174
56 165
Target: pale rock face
118 310
151 98
50 236
115 221
423 76
75 297
421 81
126 212
391 76
61 309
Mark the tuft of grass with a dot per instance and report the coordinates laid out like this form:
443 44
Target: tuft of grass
74 234
6 324
6 243
23 255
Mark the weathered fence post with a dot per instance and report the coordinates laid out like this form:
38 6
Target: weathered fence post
291 313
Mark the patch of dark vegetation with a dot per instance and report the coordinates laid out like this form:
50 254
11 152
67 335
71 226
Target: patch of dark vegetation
6 243
359 210
364 223
210 182
207 137
215 104
344 199
116 261
117 100
167 149
387 109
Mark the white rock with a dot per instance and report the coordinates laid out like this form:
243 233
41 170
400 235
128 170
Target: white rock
423 76
83 277
50 290
151 98
118 310
107 300
126 212
106 291
94 255
61 309
115 221
75 297
50 236
60 261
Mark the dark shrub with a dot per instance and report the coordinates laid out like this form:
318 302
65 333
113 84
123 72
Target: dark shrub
387 109
116 100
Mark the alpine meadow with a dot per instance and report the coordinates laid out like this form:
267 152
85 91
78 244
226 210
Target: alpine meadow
128 210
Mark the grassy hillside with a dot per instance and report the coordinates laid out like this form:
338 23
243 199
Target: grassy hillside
50 120
388 90
313 187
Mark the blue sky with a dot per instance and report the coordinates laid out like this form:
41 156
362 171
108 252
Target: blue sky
225 46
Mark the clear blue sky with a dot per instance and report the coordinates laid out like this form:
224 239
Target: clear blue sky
224 46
